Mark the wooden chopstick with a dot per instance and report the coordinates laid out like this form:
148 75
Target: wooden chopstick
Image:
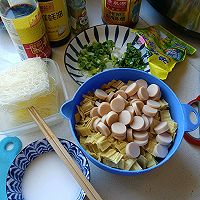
64 155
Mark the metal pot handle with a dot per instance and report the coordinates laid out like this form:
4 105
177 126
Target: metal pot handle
188 125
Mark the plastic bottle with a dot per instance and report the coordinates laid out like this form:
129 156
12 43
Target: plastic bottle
23 21
55 16
122 12
78 15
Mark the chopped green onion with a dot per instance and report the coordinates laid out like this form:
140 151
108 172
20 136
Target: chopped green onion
96 57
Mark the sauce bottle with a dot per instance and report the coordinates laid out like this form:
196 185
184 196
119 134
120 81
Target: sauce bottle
24 23
55 16
78 15
122 12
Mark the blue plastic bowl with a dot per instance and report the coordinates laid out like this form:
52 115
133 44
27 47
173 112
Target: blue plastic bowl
179 112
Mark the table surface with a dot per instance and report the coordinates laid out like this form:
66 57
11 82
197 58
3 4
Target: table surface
179 178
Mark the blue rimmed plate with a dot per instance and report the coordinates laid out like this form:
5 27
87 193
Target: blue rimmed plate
30 153
121 35
2 27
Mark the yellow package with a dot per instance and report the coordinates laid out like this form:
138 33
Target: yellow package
164 48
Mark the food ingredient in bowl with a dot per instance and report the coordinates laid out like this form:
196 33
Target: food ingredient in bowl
25 84
132 150
131 58
97 56
134 136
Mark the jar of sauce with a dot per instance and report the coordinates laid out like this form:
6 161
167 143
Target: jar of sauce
78 15
56 19
122 12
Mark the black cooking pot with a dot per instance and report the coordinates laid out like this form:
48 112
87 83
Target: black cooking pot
185 14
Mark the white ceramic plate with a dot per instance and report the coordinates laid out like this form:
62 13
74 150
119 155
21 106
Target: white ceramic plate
121 35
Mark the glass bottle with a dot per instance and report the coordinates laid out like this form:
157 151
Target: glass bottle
55 16
78 15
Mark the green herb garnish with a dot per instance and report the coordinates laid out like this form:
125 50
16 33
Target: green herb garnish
96 57
131 59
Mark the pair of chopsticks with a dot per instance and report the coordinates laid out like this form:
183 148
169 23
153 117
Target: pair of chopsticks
64 155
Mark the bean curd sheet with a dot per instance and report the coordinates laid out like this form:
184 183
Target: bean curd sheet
111 151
